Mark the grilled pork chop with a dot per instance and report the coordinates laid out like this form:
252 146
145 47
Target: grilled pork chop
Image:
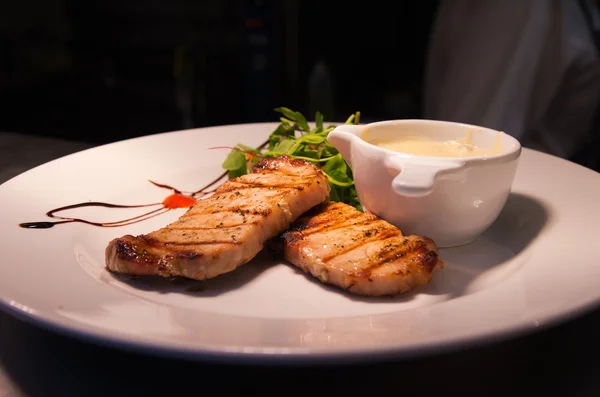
358 252
222 232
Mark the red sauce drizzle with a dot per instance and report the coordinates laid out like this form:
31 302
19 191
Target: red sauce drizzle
178 200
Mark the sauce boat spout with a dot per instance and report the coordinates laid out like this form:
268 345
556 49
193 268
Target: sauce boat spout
342 138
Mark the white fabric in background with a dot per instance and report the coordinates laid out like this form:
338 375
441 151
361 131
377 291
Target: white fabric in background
525 67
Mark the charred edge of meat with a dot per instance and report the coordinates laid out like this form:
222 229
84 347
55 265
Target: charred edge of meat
274 163
292 238
124 250
163 266
132 252
253 184
307 220
188 255
149 241
428 258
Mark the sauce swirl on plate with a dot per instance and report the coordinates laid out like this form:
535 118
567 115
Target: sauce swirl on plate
176 200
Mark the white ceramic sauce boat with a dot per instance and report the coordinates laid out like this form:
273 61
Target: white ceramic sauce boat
451 200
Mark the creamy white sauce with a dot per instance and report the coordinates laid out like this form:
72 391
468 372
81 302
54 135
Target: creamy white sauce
424 146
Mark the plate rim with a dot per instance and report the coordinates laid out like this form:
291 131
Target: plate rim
310 355
220 355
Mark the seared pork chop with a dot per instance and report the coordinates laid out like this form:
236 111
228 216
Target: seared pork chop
358 252
220 233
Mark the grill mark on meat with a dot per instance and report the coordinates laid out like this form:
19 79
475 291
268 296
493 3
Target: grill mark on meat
242 211
416 251
149 241
189 247
360 253
253 184
383 259
267 165
189 255
205 242
243 186
362 241
330 226
219 226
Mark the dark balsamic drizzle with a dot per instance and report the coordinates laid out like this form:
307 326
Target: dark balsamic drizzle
151 214
203 191
176 191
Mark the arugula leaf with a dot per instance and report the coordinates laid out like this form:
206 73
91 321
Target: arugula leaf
337 171
353 119
313 139
290 114
282 131
334 194
286 121
328 151
335 164
319 121
353 199
236 164
302 122
284 145
304 152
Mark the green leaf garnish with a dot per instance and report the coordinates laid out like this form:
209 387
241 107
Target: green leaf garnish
284 145
302 122
235 164
290 114
319 121
294 137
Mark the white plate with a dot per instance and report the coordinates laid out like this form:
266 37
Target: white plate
536 265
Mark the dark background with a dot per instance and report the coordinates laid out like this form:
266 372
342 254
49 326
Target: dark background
105 70
99 71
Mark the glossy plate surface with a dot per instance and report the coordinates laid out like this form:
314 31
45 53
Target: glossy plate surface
536 265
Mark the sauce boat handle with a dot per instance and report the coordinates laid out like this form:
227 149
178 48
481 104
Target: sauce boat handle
416 177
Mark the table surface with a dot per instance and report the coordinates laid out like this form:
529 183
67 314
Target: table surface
562 360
